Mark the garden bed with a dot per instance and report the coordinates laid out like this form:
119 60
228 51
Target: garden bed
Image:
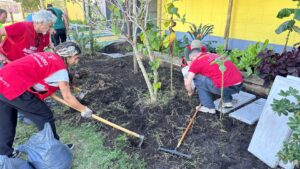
118 95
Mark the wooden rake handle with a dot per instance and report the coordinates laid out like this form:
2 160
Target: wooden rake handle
100 119
187 128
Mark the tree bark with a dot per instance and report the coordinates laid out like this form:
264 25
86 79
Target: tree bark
135 64
227 28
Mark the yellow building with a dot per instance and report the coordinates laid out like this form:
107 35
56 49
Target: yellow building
251 21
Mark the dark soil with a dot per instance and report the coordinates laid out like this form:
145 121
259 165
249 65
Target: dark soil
118 95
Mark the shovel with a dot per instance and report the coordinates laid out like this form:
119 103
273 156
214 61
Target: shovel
174 151
141 137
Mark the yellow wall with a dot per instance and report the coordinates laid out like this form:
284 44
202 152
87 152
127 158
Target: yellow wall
75 11
253 20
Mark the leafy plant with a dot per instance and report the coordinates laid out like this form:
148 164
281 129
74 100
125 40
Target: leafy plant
210 46
154 67
81 39
290 24
291 149
273 64
152 32
172 11
221 62
245 60
201 31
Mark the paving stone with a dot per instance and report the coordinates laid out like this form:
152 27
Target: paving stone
281 164
249 113
272 130
239 99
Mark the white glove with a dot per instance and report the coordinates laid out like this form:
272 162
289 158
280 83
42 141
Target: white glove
87 113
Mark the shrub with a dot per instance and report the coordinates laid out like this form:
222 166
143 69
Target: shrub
273 64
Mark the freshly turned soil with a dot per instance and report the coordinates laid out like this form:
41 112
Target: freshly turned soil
120 96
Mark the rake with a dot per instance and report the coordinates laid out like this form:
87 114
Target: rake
174 151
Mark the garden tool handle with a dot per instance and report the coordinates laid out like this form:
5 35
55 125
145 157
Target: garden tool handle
187 128
100 119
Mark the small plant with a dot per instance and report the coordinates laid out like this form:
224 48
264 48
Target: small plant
154 39
201 31
81 39
290 24
273 64
154 67
221 62
291 149
172 11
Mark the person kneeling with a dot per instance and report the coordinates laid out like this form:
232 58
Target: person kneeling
208 80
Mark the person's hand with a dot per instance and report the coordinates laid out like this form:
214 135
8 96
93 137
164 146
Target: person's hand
191 93
87 113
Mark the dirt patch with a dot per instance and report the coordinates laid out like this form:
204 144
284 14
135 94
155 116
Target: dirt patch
118 95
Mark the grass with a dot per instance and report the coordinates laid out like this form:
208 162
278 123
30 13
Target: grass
89 151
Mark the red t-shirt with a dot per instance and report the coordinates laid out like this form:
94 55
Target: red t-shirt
202 65
18 76
22 40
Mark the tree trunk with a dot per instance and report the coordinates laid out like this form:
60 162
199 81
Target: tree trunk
227 28
135 64
91 36
145 75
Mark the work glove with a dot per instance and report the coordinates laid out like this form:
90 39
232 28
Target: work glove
87 113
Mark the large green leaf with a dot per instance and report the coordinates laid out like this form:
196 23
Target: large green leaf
296 29
297 14
285 26
285 12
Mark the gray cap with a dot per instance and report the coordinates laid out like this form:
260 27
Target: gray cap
196 44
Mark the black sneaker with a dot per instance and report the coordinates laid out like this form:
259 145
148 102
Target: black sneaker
71 146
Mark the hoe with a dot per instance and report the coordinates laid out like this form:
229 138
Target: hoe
141 137
174 151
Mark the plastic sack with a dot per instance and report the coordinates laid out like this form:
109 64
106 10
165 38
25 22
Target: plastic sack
45 152
13 163
185 72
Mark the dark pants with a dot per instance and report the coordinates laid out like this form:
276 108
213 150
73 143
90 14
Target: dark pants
206 89
59 37
33 108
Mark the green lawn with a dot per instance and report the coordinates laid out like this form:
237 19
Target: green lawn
89 151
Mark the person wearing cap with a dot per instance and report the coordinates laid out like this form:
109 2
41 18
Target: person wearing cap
208 80
25 38
195 44
41 75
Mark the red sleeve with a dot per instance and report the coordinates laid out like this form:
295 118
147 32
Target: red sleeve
16 29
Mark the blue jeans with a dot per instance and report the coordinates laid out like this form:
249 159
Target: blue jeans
206 88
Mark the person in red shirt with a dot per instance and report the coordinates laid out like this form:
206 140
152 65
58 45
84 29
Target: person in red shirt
208 79
25 38
41 75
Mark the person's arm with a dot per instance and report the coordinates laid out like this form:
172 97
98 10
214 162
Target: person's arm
2 33
69 98
188 83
